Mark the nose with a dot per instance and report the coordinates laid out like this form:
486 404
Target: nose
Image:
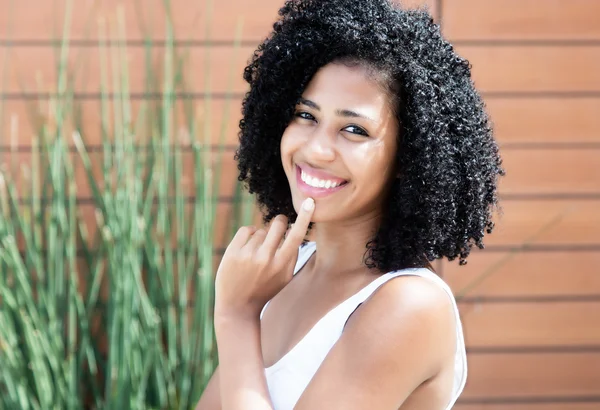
321 144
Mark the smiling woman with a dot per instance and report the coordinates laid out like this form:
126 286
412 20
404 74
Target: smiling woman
361 125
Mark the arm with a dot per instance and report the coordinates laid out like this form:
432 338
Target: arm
243 381
211 398
255 267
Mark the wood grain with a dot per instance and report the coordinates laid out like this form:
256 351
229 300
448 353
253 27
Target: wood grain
526 274
45 20
216 69
518 123
545 120
521 19
517 324
534 68
532 375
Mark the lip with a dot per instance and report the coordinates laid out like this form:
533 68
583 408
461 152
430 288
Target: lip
314 192
318 173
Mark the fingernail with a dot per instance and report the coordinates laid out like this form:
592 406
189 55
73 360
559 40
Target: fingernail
309 204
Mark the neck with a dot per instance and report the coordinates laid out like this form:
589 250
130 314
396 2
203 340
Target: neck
344 244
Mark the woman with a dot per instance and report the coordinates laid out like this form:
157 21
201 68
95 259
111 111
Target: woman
363 126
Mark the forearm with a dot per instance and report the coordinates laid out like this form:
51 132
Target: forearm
243 383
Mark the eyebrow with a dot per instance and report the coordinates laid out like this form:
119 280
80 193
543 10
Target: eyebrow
343 113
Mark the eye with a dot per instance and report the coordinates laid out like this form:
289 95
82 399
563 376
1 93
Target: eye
305 116
355 129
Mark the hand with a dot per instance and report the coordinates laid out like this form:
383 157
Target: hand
255 268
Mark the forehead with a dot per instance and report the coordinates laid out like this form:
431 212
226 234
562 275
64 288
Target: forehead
339 86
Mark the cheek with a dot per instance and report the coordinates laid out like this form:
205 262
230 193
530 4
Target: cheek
291 140
286 150
284 147
376 163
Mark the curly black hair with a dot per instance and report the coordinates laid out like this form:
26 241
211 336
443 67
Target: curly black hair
448 161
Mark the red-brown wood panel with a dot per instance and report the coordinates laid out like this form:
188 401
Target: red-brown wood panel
35 69
495 69
526 274
534 68
547 222
29 115
516 121
521 19
515 375
531 324
45 20
545 120
550 170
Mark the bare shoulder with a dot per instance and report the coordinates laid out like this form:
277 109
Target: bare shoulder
410 313
411 294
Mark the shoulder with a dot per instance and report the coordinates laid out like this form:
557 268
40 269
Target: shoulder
399 338
411 293
411 314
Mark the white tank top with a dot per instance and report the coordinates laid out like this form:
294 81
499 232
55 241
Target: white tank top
289 377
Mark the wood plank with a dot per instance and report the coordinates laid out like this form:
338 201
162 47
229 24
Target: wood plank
545 171
534 69
539 375
44 20
35 69
516 121
495 69
521 19
545 120
519 324
538 222
540 274
528 406
29 115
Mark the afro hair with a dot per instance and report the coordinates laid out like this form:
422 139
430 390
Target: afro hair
444 199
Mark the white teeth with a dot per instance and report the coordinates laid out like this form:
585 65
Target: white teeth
316 182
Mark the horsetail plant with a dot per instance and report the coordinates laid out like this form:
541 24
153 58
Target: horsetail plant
106 299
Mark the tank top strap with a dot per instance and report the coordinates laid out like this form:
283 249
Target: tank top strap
352 303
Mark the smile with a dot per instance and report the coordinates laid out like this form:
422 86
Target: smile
318 183
317 187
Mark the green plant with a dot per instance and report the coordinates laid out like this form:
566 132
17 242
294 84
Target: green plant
119 316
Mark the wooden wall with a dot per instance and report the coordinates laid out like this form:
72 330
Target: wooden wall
532 321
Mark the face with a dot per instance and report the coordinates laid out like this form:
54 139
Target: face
340 146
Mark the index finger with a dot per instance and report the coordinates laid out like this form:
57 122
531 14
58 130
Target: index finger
297 233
